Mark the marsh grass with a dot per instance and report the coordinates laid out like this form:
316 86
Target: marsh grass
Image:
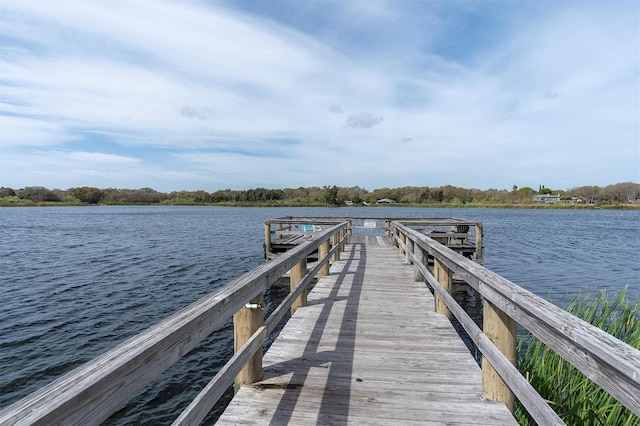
576 399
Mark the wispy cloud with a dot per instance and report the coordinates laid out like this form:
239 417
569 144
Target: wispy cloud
240 94
363 120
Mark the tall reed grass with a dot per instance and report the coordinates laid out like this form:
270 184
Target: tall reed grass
576 399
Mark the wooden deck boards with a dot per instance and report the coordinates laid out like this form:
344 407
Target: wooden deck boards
369 349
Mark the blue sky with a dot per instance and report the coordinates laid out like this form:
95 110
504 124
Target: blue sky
241 94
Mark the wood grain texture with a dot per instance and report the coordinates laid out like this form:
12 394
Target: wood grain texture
368 349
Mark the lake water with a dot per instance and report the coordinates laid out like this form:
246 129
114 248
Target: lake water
76 281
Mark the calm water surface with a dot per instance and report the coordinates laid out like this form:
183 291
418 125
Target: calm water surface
76 281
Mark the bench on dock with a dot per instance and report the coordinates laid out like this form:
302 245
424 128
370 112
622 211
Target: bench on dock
370 343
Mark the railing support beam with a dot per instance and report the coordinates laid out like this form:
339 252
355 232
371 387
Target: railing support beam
245 323
267 240
445 277
323 251
335 241
479 244
501 330
422 259
409 243
296 275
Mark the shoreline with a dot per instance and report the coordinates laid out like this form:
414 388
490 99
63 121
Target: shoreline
546 206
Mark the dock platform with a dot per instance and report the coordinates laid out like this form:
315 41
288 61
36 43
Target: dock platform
368 349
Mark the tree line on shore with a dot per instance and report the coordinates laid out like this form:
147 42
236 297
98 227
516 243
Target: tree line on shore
620 193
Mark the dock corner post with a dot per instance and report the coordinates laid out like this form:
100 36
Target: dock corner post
296 275
349 228
501 330
323 251
422 258
445 277
387 228
267 240
479 244
245 323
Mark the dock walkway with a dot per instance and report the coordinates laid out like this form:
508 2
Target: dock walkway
368 349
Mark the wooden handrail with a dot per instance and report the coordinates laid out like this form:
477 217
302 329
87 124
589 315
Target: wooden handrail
530 398
607 361
91 393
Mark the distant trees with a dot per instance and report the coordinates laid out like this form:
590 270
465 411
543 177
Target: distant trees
87 194
620 193
544 190
588 194
7 192
625 192
330 195
133 196
37 194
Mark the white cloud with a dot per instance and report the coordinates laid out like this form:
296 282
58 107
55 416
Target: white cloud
225 98
363 120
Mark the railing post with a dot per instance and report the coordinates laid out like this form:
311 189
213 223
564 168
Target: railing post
296 275
445 277
422 258
409 250
387 228
403 238
479 244
396 233
323 251
267 240
349 228
246 322
335 241
501 330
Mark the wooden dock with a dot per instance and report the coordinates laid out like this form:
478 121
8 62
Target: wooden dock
370 343
368 349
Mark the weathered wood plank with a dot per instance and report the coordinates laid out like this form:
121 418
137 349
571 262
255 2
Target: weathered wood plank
368 349
262 406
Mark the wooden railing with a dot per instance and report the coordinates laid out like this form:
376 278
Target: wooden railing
456 228
91 393
607 361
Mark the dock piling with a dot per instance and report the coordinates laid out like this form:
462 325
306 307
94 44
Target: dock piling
445 278
501 330
297 273
245 323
